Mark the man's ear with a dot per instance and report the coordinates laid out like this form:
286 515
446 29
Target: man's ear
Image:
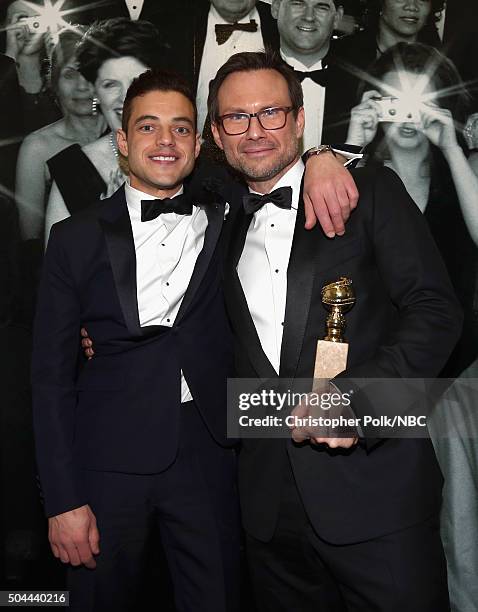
197 147
300 122
215 133
275 8
122 142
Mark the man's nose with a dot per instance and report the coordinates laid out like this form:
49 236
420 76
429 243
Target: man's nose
411 5
309 13
255 130
164 137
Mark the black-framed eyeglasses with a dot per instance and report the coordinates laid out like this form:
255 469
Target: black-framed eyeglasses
274 118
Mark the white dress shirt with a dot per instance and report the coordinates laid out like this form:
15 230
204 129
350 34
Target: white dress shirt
214 55
134 8
263 264
166 252
314 103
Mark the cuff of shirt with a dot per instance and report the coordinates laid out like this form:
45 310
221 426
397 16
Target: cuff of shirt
352 153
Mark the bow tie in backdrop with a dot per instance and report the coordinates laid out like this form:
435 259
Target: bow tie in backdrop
318 76
181 205
224 30
281 197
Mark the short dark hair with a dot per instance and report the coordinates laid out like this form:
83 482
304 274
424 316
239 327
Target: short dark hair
155 80
118 37
251 62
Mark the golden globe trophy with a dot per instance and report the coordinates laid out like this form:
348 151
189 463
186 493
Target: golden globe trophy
331 356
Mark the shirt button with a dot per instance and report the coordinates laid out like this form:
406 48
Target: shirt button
168 320
272 225
282 323
162 244
167 284
277 271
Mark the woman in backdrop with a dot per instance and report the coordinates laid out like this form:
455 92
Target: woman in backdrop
389 22
426 151
412 124
111 54
74 95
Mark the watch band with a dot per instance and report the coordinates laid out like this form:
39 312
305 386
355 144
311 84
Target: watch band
325 148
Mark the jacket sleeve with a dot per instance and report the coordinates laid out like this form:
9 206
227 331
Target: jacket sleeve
429 317
56 346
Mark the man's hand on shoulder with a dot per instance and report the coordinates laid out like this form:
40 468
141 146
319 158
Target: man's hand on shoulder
330 193
74 537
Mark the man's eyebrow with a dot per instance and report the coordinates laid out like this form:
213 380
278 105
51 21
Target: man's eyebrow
241 111
146 117
156 118
185 119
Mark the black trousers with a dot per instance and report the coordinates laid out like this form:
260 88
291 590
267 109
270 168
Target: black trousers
193 504
297 571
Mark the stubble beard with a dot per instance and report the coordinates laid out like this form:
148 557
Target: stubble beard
258 173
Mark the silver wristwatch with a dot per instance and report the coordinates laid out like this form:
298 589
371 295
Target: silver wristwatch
325 148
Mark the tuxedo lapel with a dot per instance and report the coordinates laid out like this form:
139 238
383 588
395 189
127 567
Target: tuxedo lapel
270 33
116 224
215 218
201 18
238 310
300 281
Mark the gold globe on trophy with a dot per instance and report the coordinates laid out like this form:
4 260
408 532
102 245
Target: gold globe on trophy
338 298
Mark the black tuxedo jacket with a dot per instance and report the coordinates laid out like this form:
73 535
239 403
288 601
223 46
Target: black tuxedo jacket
120 410
184 26
404 323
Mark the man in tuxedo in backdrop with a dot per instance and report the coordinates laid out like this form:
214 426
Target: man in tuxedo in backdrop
306 44
203 34
336 525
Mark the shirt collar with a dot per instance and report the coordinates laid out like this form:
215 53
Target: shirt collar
298 65
134 196
215 17
292 178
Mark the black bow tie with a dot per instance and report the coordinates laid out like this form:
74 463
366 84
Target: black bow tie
224 30
181 205
281 197
318 76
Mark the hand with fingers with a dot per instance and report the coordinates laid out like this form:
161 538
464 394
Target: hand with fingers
306 425
330 194
74 537
86 344
439 127
19 40
364 119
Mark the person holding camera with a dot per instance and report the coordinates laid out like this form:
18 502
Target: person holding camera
409 125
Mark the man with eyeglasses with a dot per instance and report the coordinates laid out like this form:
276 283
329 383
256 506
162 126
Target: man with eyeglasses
331 524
